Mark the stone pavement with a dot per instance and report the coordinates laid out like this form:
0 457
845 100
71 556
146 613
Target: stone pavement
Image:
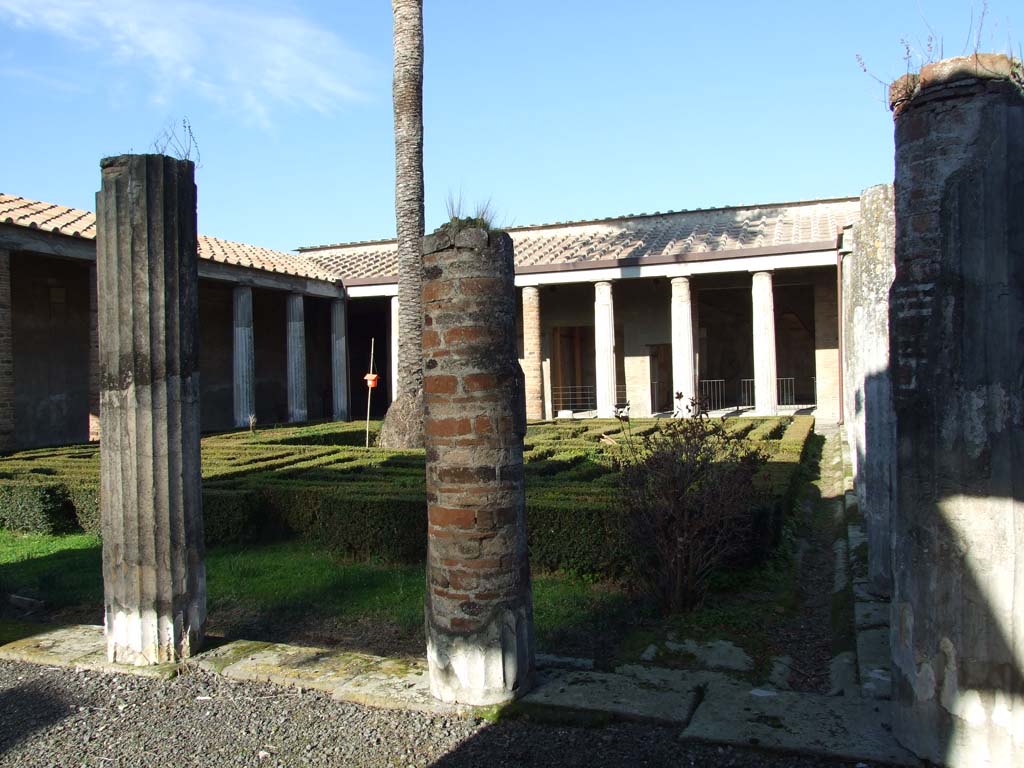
707 706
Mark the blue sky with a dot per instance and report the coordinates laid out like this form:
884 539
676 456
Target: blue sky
551 110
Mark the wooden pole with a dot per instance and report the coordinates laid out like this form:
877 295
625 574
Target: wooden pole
369 394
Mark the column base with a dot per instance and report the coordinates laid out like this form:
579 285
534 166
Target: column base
492 666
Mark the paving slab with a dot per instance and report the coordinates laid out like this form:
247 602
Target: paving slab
395 684
321 669
666 698
874 661
850 728
545 660
715 654
79 646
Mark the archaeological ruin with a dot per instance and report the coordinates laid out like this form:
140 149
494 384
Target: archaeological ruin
898 314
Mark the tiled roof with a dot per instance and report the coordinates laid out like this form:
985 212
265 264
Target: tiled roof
74 222
644 236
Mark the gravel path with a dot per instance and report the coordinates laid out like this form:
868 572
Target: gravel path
60 717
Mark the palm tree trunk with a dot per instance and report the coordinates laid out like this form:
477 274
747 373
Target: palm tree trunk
403 427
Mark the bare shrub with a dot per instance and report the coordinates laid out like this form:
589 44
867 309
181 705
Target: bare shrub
689 490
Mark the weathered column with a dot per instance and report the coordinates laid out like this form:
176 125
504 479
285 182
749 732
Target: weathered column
296 343
6 355
479 609
604 349
394 348
154 580
684 379
339 361
532 361
956 313
244 379
94 358
867 276
766 398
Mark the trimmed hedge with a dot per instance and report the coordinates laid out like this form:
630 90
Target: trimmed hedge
34 507
371 504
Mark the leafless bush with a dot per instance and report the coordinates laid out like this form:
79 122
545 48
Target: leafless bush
689 489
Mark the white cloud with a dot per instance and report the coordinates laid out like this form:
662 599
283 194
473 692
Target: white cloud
234 55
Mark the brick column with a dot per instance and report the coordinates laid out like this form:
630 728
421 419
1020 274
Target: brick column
154 580
94 358
479 605
393 348
243 353
532 360
296 343
604 349
684 378
826 350
956 325
766 397
6 355
339 361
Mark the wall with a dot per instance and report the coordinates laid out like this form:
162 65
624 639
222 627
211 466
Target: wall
319 397
216 365
50 326
826 347
268 319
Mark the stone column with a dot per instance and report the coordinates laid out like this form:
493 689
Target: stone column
684 378
867 276
7 440
479 606
766 397
296 358
393 349
532 360
339 361
154 580
244 379
94 358
604 349
956 312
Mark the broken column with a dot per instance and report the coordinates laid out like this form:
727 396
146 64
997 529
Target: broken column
604 350
6 355
243 353
479 610
154 580
339 361
532 367
766 397
957 355
867 276
296 348
684 378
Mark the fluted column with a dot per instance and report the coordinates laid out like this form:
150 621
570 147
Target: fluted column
684 380
154 580
394 348
604 349
532 353
766 398
244 357
339 361
296 358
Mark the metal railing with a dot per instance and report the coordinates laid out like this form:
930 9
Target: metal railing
785 390
573 398
712 394
746 393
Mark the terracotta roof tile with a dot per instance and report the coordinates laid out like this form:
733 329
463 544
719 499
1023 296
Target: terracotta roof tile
74 222
717 230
